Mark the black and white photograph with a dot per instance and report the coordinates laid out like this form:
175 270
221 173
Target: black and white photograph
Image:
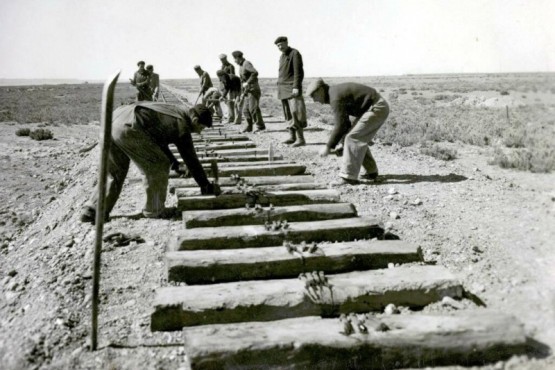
293 184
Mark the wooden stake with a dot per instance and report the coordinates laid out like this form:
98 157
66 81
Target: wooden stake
105 140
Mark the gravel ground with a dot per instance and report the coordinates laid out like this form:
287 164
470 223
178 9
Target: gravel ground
492 227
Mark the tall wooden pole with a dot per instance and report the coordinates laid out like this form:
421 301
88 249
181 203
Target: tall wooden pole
105 140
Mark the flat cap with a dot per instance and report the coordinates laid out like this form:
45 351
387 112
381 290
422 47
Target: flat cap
237 54
149 66
314 85
280 39
219 72
197 67
204 115
222 56
140 62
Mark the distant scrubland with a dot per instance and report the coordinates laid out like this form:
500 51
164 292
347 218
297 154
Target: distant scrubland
513 114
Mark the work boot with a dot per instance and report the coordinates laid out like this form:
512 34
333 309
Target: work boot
300 138
88 215
292 136
248 127
260 128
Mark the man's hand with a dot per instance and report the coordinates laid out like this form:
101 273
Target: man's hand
324 152
295 92
177 169
245 85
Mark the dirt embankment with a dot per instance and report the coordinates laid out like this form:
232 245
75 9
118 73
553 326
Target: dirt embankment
493 227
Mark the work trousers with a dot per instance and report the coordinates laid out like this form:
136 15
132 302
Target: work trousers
234 108
356 152
294 113
251 109
131 143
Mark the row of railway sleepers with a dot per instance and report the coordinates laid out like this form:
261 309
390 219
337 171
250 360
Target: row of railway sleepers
281 273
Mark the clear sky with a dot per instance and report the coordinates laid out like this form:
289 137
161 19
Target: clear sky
90 39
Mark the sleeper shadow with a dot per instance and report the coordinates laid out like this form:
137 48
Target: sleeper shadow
411 179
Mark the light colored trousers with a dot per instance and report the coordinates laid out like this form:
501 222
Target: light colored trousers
132 144
356 152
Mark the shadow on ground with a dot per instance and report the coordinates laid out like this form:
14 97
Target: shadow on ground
411 179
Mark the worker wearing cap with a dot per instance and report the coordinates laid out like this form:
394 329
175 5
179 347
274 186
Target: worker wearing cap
205 81
230 87
369 110
141 80
212 101
251 93
290 80
141 133
154 82
226 66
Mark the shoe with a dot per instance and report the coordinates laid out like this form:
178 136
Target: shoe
300 138
292 136
343 181
369 176
89 216
247 129
338 151
261 128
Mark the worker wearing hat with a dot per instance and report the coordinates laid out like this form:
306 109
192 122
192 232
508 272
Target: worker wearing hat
205 81
141 80
369 110
251 93
230 88
227 67
141 133
290 80
154 82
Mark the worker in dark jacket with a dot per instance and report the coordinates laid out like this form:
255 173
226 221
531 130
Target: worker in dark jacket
226 66
251 93
141 80
154 82
141 133
230 87
290 80
369 110
205 80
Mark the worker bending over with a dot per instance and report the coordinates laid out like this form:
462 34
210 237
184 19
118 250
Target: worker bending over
369 110
141 133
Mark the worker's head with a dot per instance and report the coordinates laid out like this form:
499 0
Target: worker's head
220 73
201 117
281 43
238 56
223 57
141 64
318 91
198 70
150 68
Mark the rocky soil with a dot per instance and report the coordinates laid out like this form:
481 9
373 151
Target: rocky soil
493 227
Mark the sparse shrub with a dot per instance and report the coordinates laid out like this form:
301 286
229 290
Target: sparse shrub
504 92
441 97
23 132
41 134
439 152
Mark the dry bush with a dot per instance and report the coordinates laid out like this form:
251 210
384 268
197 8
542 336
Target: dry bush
23 132
41 134
439 152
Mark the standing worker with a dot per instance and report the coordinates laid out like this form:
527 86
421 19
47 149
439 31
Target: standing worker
154 82
141 80
205 81
290 80
230 87
141 133
251 93
370 111
226 66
